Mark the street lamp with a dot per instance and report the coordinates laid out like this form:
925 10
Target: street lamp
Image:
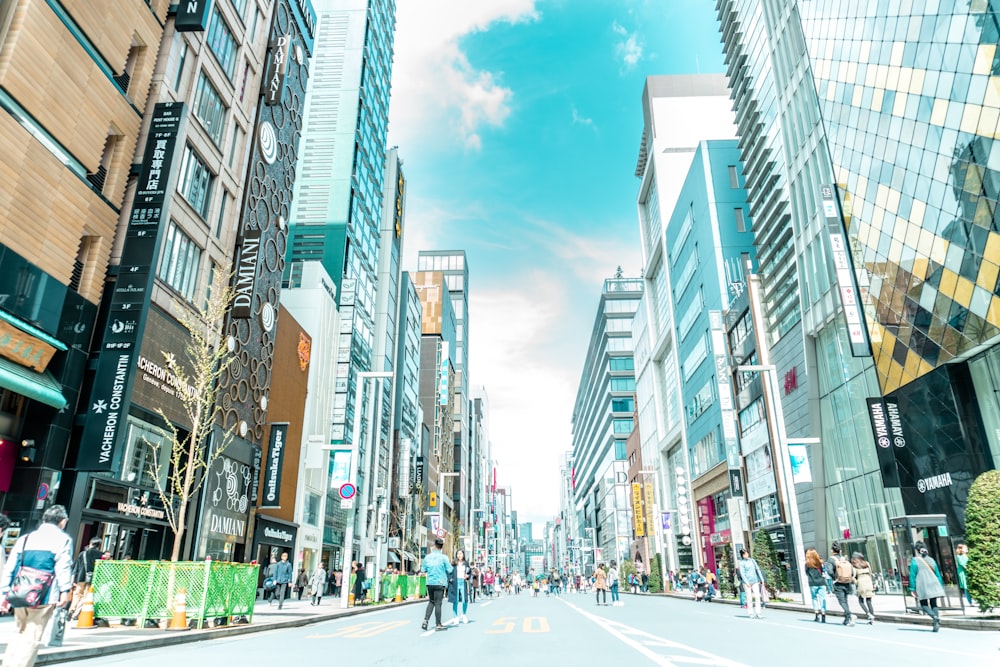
352 511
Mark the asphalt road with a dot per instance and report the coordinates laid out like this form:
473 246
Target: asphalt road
573 630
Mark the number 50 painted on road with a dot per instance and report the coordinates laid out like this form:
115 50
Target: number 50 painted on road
508 623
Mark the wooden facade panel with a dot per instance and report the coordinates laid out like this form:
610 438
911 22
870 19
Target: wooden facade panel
110 25
51 75
45 209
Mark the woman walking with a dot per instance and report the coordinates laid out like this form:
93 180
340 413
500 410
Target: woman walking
753 582
962 560
865 584
613 577
301 581
458 586
817 584
318 584
926 584
601 584
359 583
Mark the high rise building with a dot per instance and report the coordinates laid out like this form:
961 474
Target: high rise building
480 453
678 113
910 106
453 265
602 419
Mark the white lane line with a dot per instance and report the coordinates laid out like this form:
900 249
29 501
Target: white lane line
656 658
428 633
486 604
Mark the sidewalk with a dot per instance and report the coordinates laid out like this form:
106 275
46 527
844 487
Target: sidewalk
80 644
888 609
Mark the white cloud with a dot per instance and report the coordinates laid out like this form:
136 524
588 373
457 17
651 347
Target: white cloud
629 49
437 94
579 119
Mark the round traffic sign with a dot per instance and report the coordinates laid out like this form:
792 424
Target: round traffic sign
348 490
439 532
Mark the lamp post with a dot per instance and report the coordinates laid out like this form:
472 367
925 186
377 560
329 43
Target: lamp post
352 511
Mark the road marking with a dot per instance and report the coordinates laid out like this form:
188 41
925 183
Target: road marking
700 657
487 604
506 623
543 624
369 629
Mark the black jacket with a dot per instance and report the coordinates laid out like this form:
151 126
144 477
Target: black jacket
84 565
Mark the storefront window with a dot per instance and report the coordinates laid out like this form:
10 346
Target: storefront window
147 455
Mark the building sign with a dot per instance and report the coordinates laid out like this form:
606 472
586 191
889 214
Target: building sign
273 465
247 258
443 375
791 381
650 505
418 477
340 468
724 385
192 15
887 428
227 500
847 283
274 80
760 474
639 522
736 482
798 456
934 482
304 350
130 509
114 375
405 473
23 348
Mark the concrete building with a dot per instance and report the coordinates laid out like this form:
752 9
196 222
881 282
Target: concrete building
602 419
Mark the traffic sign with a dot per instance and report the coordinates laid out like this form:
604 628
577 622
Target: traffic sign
346 503
347 491
439 532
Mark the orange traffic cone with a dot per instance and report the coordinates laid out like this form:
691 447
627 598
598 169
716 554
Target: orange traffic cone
399 593
86 617
179 619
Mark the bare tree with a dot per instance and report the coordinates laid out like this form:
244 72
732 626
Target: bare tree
197 383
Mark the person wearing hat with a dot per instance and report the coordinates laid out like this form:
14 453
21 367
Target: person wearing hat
926 584
437 567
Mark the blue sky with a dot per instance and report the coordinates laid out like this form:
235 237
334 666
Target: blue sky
519 123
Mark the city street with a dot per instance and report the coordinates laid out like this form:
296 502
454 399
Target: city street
572 630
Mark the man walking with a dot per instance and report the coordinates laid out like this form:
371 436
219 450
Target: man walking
437 568
842 573
282 577
83 573
48 549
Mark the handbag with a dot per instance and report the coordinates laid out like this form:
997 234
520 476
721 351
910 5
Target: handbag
30 586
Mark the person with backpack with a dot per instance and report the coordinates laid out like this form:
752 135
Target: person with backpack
842 572
83 574
866 585
40 564
926 584
753 582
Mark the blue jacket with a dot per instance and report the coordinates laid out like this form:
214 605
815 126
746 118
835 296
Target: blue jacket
47 548
283 572
437 567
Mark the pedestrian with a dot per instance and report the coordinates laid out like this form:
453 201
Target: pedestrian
817 584
865 584
601 584
753 582
301 581
437 568
49 552
536 582
318 583
458 586
489 579
474 582
360 578
4 522
613 576
962 561
282 578
338 582
268 584
710 580
926 584
842 573
83 573
331 582
557 582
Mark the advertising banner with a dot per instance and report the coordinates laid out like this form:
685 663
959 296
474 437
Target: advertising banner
272 466
637 516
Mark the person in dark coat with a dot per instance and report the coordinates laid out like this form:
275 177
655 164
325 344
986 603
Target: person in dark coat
359 583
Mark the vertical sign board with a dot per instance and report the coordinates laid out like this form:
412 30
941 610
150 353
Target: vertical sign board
847 282
273 465
112 386
888 431
637 516
650 504
723 378
192 15
274 79
443 375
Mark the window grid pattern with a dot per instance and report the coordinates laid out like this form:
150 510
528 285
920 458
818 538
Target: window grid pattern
179 262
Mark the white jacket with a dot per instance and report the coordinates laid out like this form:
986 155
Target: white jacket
48 537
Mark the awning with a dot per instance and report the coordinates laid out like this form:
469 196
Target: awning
393 558
41 387
405 554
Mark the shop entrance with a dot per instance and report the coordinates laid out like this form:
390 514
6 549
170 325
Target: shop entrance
125 541
932 530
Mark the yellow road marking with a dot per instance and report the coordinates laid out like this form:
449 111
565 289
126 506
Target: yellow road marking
543 624
505 622
369 629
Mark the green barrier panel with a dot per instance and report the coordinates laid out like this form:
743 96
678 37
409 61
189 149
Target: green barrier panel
422 586
148 589
404 586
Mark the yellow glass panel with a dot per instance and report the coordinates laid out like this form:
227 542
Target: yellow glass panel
877 99
881 75
984 59
977 6
903 85
852 72
963 291
899 105
917 82
973 179
892 79
970 118
881 195
912 367
895 376
870 77
917 212
925 368
993 314
949 279
939 112
988 121
892 201
895 250
992 251
987 278
866 49
856 99
925 242
896 58
992 97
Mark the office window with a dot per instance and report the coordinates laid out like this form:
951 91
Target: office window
179 262
222 43
734 177
741 222
622 426
620 449
622 384
622 364
180 64
622 405
209 108
195 181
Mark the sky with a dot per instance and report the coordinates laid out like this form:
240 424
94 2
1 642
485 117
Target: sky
519 123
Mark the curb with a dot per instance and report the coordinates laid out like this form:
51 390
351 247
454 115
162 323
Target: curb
56 655
962 623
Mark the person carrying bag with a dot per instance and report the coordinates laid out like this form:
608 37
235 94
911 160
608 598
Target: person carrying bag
37 578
